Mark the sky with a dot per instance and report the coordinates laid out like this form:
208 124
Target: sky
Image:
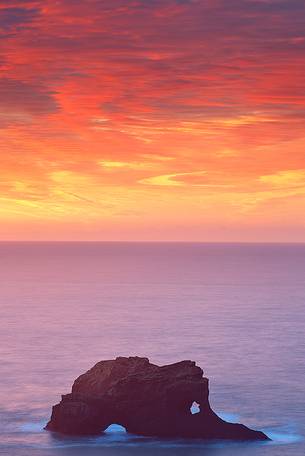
152 120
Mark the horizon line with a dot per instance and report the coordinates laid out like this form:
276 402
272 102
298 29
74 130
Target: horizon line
87 241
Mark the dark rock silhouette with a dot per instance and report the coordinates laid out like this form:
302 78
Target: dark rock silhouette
146 399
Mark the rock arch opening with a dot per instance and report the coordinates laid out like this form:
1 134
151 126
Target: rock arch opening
115 429
195 408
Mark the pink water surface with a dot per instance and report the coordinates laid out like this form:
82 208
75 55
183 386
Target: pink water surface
238 310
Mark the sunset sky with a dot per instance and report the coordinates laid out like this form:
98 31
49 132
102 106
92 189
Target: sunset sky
152 120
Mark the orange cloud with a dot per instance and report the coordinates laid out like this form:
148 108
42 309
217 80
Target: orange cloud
179 114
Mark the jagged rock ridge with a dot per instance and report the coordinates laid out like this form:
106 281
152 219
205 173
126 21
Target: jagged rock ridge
146 399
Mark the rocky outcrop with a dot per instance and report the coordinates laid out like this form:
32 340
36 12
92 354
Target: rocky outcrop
146 399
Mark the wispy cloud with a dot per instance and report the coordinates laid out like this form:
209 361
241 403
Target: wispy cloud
117 107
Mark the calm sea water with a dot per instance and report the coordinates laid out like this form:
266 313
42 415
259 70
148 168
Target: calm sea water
238 310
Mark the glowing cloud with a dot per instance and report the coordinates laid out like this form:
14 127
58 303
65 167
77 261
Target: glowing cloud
186 115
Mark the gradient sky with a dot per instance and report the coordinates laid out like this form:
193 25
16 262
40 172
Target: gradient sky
152 120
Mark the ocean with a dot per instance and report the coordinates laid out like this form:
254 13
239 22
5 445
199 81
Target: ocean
238 310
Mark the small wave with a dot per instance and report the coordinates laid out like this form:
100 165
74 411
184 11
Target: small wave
284 435
31 428
279 436
116 435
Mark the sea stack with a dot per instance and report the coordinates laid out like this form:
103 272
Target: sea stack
146 399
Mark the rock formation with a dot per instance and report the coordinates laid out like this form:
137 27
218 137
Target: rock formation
146 399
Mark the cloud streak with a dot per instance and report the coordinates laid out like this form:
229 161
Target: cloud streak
131 100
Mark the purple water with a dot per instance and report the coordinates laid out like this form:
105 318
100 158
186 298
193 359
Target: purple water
238 310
